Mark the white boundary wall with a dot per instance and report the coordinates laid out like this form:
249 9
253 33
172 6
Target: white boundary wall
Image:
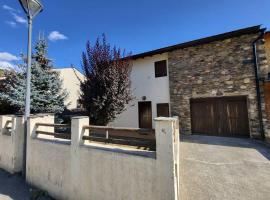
84 170
11 143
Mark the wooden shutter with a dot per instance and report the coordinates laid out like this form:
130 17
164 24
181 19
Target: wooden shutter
163 110
161 68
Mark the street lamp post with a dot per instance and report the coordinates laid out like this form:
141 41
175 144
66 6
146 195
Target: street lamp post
31 8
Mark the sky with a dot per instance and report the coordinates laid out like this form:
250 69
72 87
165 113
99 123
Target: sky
137 26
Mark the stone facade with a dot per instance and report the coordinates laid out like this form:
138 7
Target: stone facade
264 61
216 69
267 45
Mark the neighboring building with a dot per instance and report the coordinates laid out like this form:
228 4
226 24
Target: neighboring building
2 74
209 83
71 82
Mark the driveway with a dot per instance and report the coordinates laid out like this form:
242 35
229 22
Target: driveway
224 168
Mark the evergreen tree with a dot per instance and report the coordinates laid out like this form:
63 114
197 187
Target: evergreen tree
106 89
47 95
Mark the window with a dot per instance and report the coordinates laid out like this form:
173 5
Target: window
161 68
163 110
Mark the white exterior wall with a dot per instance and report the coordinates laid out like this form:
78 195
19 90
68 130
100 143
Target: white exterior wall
11 146
83 170
144 83
71 83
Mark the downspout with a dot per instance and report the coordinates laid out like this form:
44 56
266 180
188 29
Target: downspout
257 78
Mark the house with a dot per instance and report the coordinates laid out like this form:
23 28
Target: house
267 45
213 84
71 78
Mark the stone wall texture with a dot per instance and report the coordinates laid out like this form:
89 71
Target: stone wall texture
263 51
267 45
216 69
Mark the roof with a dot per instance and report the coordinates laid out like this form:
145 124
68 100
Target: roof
223 36
68 68
65 71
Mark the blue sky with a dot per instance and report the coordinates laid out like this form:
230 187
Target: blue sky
137 26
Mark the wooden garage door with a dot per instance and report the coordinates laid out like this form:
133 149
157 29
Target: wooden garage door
225 116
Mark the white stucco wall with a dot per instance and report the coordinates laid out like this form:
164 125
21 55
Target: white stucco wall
71 83
48 159
48 167
144 83
11 146
83 170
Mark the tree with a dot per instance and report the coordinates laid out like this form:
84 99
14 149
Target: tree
1 72
106 89
47 95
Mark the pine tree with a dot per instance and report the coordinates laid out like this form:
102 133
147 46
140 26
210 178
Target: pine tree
47 95
106 90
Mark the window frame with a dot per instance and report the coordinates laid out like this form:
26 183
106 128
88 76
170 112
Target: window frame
162 104
161 73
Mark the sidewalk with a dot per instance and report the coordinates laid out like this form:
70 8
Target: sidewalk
13 187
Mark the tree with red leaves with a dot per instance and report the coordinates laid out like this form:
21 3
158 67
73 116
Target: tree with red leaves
106 90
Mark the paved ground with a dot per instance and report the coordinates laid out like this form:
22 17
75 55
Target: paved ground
13 187
224 168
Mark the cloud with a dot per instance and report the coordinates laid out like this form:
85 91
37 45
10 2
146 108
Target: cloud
7 59
6 7
19 19
55 35
12 24
5 56
6 65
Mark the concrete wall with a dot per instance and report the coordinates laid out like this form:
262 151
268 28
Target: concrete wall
11 143
144 83
48 159
71 83
84 170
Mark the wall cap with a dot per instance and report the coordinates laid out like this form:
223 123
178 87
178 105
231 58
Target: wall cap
79 117
172 119
40 115
8 115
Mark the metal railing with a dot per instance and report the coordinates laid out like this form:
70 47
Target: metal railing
55 134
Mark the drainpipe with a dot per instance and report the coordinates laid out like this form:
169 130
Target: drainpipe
257 77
